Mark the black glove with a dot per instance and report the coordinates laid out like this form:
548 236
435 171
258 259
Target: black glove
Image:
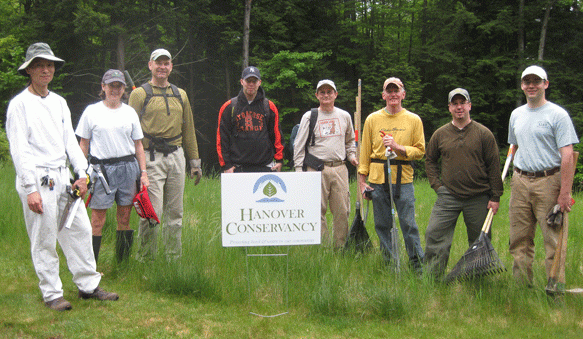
555 217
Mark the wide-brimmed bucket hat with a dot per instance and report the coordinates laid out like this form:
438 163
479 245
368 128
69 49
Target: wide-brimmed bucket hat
39 50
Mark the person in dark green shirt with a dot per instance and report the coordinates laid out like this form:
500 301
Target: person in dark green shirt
468 181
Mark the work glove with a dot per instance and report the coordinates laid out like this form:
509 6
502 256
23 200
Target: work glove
195 170
555 217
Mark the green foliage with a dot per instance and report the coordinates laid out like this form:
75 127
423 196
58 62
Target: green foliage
433 46
289 79
4 146
578 180
11 57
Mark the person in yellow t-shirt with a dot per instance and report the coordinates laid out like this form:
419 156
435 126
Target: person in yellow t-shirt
403 134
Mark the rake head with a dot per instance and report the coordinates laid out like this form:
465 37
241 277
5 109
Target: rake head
479 260
358 237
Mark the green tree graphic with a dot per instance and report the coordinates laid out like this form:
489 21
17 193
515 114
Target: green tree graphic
269 190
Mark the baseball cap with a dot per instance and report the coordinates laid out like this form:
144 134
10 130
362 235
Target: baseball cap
394 81
251 71
158 53
113 75
39 50
536 70
459 91
326 82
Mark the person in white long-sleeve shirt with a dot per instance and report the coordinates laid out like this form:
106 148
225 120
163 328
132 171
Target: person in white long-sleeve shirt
41 139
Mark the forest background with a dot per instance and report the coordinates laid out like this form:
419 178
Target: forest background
432 45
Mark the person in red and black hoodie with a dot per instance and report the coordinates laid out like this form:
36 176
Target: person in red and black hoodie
248 132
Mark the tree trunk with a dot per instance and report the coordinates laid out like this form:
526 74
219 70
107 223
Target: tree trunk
543 31
246 33
520 47
411 30
121 63
228 79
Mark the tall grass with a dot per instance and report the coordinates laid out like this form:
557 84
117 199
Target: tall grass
210 291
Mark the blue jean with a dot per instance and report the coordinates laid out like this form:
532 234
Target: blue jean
383 221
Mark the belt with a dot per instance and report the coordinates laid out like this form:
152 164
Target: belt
399 163
540 174
127 158
333 163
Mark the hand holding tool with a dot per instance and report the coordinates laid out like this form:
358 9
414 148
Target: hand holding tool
389 153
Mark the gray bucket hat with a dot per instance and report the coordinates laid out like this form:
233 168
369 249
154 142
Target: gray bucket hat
39 50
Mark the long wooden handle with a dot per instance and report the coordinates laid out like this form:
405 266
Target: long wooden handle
557 274
488 221
357 136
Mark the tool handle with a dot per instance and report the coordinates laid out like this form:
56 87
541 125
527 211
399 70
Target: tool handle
488 221
556 274
509 158
129 79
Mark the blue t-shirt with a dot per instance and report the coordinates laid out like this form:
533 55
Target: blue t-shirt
540 133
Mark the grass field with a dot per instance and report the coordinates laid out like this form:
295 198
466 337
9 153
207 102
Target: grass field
329 294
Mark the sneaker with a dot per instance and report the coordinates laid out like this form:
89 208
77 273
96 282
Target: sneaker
59 304
99 294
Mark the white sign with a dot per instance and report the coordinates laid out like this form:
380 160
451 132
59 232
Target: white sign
271 209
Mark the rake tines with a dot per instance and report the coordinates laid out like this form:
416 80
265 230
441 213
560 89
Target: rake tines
479 260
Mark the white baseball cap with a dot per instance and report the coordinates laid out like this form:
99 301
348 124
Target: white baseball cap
326 82
158 53
536 70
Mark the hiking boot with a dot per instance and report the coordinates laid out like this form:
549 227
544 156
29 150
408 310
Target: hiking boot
99 294
59 304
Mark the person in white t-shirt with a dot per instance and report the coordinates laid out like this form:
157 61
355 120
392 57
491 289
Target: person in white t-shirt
38 126
110 132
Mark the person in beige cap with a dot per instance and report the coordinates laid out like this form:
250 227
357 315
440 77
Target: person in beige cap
332 143
41 137
170 144
398 130
468 180
543 163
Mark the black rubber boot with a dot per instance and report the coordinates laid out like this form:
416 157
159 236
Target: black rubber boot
123 244
96 246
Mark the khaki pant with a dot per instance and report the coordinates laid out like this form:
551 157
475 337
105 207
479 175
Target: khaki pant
335 192
530 201
166 175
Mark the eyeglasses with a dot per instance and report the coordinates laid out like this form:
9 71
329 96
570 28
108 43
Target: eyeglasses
326 92
532 82
458 103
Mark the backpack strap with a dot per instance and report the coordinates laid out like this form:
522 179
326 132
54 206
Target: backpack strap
311 137
150 93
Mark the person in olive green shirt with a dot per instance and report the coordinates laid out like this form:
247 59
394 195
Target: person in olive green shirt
468 181
170 144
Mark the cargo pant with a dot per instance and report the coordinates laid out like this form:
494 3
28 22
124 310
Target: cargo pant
166 175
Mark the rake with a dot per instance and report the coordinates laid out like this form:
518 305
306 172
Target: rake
480 259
